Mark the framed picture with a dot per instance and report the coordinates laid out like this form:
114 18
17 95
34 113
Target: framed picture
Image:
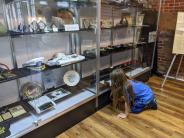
137 36
139 19
152 37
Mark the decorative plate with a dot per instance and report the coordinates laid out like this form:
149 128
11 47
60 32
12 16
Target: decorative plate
31 90
71 78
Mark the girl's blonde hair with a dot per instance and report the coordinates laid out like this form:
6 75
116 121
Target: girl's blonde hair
121 89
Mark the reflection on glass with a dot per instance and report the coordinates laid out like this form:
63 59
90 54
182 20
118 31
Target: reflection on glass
2 26
3 29
40 15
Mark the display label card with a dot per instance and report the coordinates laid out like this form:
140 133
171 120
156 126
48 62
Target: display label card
71 27
152 37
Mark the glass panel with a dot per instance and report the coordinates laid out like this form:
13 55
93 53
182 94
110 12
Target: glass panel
129 46
11 108
50 40
3 27
88 47
43 16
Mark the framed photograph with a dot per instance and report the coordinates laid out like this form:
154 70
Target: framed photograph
139 19
152 37
137 36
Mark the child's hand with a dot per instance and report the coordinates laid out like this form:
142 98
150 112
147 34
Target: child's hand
122 116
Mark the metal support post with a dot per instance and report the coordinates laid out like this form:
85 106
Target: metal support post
179 67
174 58
98 38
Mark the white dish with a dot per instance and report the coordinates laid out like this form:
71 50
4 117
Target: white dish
31 90
71 78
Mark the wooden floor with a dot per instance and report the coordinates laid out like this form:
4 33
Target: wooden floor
166 122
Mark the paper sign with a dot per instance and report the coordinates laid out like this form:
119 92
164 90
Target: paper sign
71 27
178 47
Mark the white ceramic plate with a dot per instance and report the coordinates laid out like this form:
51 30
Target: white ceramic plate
71 78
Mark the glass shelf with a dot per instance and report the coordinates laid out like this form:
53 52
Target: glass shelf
133 73
84 84
123 47
121 5
80 3
17 34
24 72
119 27
84 3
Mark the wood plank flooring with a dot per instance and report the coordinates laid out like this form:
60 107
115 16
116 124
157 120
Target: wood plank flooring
166 122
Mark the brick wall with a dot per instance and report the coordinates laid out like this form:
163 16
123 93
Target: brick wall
166 35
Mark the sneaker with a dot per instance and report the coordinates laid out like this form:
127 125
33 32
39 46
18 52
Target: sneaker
153 104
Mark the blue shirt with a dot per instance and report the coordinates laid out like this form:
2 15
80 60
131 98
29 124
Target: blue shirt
143 96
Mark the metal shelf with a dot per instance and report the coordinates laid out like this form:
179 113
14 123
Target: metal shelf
121 5
124 48
119 27
88 3
136 73
24 72
133 73
17 34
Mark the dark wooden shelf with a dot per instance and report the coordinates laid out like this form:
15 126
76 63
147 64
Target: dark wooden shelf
24 72
121 26
17 34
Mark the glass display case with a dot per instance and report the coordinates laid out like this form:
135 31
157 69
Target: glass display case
128 37
57 55
50 70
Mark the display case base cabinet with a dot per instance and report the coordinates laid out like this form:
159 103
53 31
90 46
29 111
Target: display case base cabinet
144 77
66 121
104 99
